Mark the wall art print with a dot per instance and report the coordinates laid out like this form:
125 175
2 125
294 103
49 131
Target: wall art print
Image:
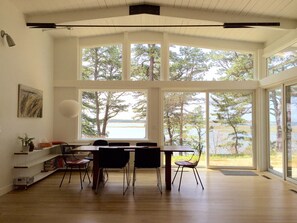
30 102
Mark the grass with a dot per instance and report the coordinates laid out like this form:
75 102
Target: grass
220 160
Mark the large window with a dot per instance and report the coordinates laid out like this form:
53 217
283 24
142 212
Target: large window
145 62
102 63
187 63
113 114
221 121
230 129
281 61
198 64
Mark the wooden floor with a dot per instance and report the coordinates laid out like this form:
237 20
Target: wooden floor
227 199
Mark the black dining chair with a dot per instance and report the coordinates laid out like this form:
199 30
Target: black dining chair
146 144
100 142
71 161
148 158
114 158
191 163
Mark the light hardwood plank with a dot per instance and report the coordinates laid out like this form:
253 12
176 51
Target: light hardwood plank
225 199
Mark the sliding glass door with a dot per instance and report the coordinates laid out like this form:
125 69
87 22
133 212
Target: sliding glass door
184 121
221 121
231 129
276 151
291 132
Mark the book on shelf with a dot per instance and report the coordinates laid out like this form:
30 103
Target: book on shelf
50 165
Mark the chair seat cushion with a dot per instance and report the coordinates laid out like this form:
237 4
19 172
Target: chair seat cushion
78 162
186 164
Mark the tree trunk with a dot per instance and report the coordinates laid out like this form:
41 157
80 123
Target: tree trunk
277 114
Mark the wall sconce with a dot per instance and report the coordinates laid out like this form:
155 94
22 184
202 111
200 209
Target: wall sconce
9 40
69 108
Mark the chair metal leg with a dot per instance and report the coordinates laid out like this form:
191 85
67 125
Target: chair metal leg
134 179
175 175
63 177
159 181
128 174
125 177
80 178
87 173
180 179
195 175
199 178
105 177
70 175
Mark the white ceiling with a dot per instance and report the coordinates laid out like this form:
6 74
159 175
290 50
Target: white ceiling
177 12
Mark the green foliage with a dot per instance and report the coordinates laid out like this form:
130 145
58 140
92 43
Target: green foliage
182 114
98 108
188 64
145 62
26 140
102 63
232 65
282 61
140 105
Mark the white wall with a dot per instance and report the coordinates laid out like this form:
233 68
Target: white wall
30 63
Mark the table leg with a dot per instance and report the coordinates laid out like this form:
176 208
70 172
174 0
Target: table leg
95 169
168 155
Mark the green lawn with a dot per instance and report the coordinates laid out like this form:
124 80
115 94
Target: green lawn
220 160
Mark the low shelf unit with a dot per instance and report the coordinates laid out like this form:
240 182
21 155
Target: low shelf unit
30 167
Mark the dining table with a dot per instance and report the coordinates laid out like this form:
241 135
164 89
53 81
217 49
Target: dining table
167 150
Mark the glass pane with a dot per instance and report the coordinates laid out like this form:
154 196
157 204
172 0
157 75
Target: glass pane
113 114
230 136
275 130
281 61
145 62
184 121
187 63
102 63
198 64
291 121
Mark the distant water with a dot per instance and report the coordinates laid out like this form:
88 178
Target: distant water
126 130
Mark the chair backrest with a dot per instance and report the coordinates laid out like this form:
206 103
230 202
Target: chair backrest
199 152
113 157
147 158
66 151
100 142
146 144
200 149
119 144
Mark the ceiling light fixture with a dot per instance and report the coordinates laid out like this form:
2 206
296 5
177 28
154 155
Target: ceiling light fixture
225 25
69 108
9 40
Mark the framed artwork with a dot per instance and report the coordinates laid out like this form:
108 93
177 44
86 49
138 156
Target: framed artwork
30 102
